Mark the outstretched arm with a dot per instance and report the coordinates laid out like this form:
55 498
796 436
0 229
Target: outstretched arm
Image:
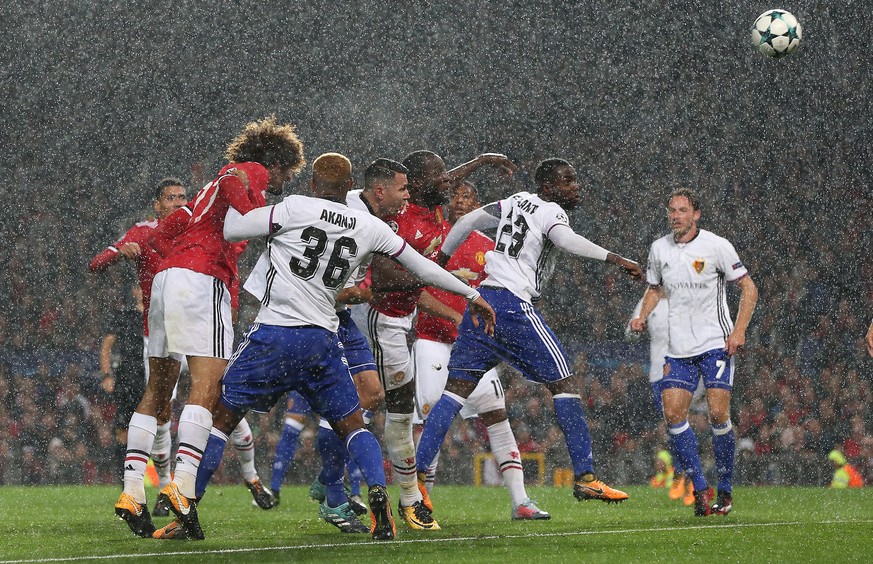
486 217
569 241
433 275
502 162
256 223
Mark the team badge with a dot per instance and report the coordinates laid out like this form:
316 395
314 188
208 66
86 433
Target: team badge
698 265
393 225
480 258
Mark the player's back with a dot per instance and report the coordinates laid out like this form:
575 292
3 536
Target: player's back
316 245
523 258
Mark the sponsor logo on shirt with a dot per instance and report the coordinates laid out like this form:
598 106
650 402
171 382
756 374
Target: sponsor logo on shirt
698 265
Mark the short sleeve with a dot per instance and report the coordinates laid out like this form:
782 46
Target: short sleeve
385 241
653 268
554 215
729 262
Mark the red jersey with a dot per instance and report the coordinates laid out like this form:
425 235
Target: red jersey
147 262
197 230
424 230
468 263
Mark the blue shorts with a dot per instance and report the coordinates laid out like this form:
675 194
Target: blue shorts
715 367
657 388
273 360
355 345
521 338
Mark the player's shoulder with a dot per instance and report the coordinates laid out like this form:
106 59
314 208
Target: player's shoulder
710 237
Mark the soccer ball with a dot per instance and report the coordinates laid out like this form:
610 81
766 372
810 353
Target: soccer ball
776 33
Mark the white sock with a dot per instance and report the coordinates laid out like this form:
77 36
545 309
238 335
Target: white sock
505 450
401 450
161 451
140 438
245 450
194 426
431 473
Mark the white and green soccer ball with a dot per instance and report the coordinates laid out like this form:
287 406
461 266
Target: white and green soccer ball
776 33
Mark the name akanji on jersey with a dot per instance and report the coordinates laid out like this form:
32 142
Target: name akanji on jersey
424 230
468 262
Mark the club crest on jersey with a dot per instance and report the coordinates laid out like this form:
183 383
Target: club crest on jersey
480 258
698 265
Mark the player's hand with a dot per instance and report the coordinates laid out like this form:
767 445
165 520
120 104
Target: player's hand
631 267
442 259
130 250
479 308
502 162
735 342
638 325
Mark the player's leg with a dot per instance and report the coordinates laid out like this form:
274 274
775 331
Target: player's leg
718 372
244 444
488 401
388 340
295 418
333 394
431 369
679 383
202 329
531 346
163 445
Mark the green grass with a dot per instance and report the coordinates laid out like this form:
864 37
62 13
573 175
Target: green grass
767 525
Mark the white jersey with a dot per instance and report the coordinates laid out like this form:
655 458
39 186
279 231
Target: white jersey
354 201
693 276
658 327
523 258
316 245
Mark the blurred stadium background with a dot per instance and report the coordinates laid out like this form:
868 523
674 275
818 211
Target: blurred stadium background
103 99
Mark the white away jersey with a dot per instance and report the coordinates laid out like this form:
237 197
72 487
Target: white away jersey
316 245
658 329
523 258
693 276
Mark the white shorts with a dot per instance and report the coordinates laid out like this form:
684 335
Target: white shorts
430 361
388 339
189 315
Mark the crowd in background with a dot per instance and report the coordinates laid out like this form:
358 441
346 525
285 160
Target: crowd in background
777 152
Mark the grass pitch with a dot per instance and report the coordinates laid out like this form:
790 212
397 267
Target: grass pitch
768 524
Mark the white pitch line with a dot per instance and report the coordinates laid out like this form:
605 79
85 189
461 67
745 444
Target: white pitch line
432 540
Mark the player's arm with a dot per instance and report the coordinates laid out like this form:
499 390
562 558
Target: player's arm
234 187
168 229
388 276
653 295
123 249
108 382
432 275
748 299
631 336
431 305
256 223
481 219
569 241
501 162
352 295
